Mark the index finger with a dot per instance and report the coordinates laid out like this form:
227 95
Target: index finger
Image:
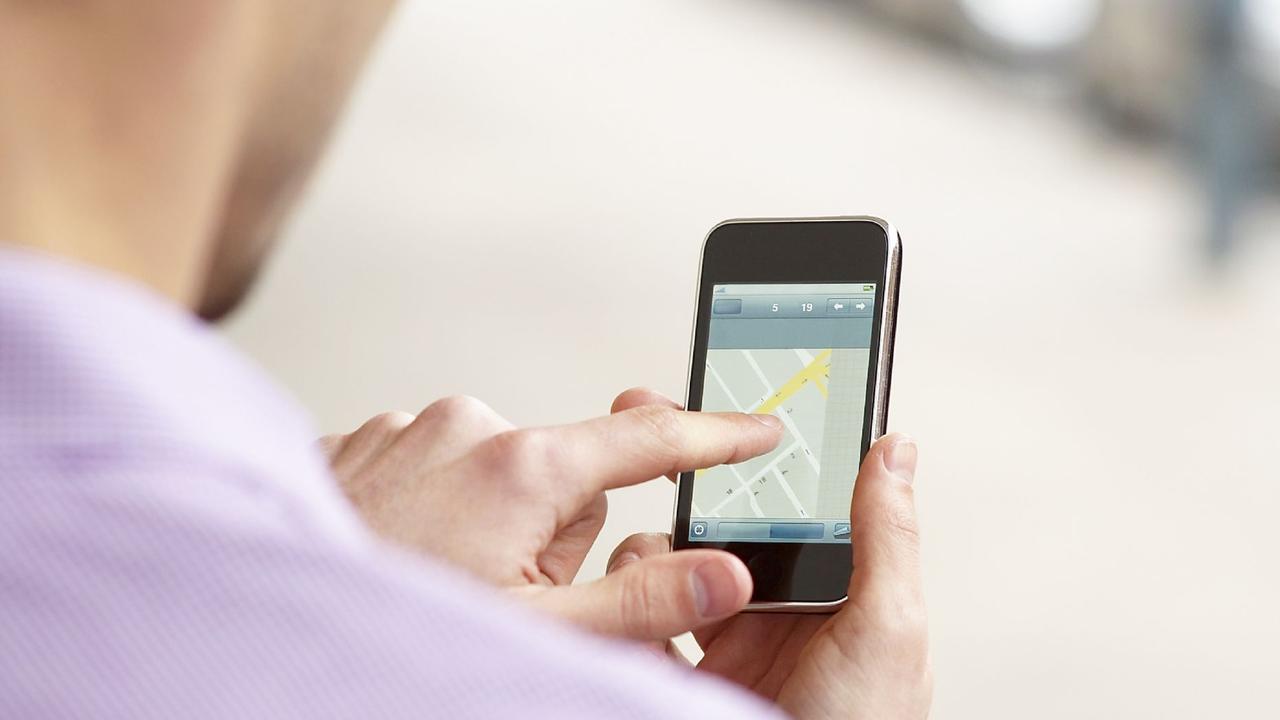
633 446
639 397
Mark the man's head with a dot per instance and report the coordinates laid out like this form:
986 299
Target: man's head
169 140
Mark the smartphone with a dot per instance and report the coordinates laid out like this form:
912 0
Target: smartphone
795 317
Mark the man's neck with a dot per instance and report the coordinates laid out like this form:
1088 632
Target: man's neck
118 134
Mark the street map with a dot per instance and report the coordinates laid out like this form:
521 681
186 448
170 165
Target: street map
819 395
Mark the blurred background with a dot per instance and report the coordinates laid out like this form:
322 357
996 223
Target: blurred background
1090 326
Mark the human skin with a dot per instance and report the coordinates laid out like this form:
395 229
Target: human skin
869 660
167 141
440 482
421 481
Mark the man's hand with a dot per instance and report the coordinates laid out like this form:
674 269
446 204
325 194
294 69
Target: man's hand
869 660
521 507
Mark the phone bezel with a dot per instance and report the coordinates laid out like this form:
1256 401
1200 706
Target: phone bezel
796 577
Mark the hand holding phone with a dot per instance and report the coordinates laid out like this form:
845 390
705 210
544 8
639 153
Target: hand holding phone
855 557
868 660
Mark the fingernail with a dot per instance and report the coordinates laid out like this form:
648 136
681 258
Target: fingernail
622 560
770 421
900 459
715 589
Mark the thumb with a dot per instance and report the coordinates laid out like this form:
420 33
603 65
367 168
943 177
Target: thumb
655 598
885 534
880 638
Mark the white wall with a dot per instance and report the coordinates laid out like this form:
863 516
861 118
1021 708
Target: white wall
514 209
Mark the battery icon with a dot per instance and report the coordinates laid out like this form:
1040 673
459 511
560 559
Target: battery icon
868 288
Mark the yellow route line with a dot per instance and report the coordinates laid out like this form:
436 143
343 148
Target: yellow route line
813 371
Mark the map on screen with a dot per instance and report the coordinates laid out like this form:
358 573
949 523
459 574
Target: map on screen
800 353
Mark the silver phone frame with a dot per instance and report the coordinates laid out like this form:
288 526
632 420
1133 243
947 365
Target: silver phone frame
884 362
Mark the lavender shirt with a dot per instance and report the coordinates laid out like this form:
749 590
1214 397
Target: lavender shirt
171 545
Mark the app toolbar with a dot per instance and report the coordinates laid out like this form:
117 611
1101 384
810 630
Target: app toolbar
792 306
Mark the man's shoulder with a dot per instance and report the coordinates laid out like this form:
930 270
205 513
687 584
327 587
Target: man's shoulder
108 388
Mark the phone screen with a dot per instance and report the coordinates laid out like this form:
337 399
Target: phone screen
801 352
